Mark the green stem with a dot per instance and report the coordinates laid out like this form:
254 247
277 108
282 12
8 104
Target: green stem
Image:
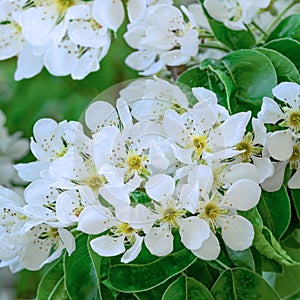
259 28
214 46
222 264
268 29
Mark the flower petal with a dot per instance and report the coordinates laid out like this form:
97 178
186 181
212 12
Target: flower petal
243 194
108 246
193 232
210 248
237 232
134 251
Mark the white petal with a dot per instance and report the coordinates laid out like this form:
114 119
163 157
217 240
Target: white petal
100 114
114 195
95 219
136 10
133 251
175 58
280 145
242 170
159 241
243 194
140 60
288 92
160 187
193 232
108 246
270 111
294 182
31 171
237 232
231 131
109 13
264 166
201 178
68 240
210 248
275 182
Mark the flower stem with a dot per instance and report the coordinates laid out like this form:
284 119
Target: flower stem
214 46
269 28
259 28
222 264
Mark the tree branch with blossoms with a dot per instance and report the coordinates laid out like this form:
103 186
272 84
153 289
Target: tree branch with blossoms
185 183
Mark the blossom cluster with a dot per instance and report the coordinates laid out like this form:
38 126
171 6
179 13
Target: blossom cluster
71 37
149 168
68 37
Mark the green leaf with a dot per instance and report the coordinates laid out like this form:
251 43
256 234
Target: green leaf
267 245
287 28
140 197
80 274
285 69
288 283
241 258
241 283
187 288
275 210
288 47
295 195
254 76
203 272
208 77
52 286
141 277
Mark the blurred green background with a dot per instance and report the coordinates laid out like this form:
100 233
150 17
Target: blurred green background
60 98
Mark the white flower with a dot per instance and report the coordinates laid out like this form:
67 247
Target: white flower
193 231
162 38
51 141
234 13
97 219
272 113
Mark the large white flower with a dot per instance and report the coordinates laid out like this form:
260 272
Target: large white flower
122 231
234 13
170 206
51 141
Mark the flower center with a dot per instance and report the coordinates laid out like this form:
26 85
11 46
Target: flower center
63 5
246 145
134 162
293 120
95 182
200 145
125 229
171 214
211 211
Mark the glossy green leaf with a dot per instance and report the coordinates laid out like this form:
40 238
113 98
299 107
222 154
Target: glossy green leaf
141 277
187 288
208 77
288 283
295 195
267 245
287 28
285 69
140 197
80 275
52 286
241 258
275 210
254 76
239 283
288 47
203 272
